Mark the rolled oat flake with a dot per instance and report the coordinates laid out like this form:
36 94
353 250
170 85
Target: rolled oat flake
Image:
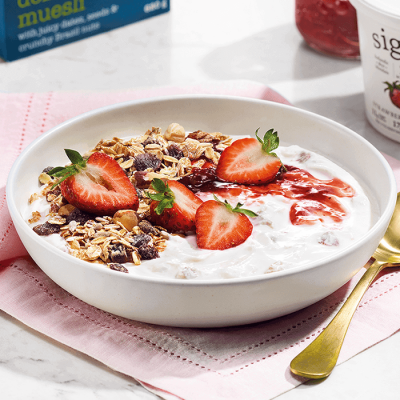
379 33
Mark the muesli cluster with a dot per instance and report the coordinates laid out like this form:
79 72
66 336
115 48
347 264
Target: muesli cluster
127 236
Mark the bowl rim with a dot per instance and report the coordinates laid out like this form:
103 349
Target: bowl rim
18 220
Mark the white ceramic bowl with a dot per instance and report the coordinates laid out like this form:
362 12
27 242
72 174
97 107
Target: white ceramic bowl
204 303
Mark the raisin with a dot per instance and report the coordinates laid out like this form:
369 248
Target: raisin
47 169
141 240
175 151
140 178
118 254
81 217
149 140
140 193
118 267
148 252
147 227
147 160
53 193
46 229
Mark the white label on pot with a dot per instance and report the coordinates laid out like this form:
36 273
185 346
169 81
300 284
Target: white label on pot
380 55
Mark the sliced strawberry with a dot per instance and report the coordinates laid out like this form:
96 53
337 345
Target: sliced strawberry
206 164
250 161
220 227
98 185
174 206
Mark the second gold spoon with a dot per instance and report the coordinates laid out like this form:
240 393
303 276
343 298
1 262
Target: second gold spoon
318 359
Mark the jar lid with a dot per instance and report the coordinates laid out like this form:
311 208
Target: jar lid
389 7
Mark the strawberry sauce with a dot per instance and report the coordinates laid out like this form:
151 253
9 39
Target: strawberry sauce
313 197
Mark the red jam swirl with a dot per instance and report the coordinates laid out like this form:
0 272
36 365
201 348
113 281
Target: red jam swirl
315 199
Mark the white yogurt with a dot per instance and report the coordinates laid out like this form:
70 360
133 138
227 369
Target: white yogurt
275 243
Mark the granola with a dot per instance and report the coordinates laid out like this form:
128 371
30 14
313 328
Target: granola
127 241
127 237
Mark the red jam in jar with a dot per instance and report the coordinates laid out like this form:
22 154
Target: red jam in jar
329 26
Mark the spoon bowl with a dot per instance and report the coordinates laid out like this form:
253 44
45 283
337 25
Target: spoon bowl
388 250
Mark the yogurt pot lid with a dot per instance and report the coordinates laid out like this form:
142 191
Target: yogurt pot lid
389 7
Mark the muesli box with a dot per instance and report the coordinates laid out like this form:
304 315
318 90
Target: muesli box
31 26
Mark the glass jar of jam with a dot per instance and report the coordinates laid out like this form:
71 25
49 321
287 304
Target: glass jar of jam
329 26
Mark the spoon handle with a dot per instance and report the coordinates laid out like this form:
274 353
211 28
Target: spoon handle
319 358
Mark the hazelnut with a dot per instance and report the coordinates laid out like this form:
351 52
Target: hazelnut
175 133
127 218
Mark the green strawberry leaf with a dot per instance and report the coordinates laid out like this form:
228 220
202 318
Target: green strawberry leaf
238 208
389 87
392 86
163 204
165 196
156 196
57 171
269 143
75 157
159 185
78 163
244 211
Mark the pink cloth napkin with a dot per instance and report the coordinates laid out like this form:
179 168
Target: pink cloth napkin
248 362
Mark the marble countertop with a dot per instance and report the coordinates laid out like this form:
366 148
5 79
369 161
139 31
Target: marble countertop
195 42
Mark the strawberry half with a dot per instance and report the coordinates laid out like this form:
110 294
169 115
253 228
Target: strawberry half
98 185
394 92
250 161
174 206
220 227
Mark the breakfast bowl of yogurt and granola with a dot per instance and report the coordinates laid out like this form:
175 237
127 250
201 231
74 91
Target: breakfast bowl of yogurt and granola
200 211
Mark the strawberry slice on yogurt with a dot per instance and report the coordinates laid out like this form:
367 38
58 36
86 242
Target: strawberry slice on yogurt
250 160
97 185
220 226
174 206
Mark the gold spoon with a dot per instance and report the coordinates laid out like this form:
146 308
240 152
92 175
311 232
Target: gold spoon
318 359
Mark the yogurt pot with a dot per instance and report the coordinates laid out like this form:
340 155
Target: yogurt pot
379 35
